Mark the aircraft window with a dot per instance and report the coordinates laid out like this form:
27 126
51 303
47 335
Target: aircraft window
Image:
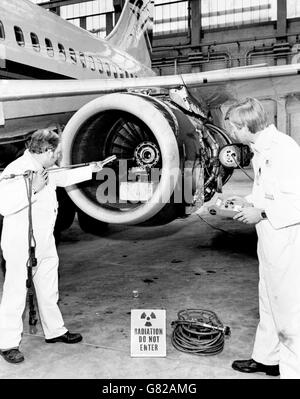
49 47
107 69
126 74
35 42
19 36
131 75
121 73
82 60
100 65
114 71
61 52
73 55
2 33
91 63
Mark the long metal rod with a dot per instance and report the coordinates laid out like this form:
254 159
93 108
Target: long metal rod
79 165
27 172
55 169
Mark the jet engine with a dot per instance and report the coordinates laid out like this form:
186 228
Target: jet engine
167 160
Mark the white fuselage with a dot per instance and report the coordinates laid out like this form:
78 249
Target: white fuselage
37 44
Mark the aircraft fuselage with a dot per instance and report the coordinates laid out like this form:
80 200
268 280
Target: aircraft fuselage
36 44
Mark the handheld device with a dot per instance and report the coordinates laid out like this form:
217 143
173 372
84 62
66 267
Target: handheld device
224 207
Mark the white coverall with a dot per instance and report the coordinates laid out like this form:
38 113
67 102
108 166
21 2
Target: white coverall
276 189
14 243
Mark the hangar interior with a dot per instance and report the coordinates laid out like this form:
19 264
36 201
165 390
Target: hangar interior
200 262
194 36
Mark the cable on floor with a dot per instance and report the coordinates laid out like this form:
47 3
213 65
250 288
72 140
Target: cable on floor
199 332
214 227
241 168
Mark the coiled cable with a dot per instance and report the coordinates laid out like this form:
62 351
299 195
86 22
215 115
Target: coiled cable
32 261
199 332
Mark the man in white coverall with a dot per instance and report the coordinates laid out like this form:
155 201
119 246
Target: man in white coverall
43 152
275 211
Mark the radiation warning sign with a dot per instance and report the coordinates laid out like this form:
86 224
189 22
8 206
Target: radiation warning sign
148 333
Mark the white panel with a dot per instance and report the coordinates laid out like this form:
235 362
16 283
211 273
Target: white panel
64 12
232 12
76 11
293 111
88 8
293 8
82 9
167 11
294 126
205 6
270 107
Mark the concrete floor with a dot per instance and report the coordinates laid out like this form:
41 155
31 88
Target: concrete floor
186 264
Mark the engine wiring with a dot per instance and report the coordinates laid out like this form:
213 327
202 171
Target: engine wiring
214 227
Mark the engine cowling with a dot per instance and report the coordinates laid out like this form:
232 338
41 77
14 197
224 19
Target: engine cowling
160 150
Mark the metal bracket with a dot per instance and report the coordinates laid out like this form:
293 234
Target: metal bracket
182 98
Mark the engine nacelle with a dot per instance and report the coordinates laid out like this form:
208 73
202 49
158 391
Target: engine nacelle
161 155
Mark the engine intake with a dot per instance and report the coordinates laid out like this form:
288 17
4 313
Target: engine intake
160 159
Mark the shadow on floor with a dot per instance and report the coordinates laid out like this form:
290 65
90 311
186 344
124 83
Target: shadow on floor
244 243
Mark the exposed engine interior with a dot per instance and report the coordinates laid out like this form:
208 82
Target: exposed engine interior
167 159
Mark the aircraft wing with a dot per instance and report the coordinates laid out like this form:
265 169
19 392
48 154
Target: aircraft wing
26 105
146 132
215 86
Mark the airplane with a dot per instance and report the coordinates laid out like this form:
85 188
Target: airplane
104 99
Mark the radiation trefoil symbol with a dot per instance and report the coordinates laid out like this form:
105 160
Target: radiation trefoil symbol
148 318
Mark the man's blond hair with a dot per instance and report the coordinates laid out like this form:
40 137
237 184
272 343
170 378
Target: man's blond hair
250 113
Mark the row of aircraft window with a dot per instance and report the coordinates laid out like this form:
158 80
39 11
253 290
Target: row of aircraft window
86 61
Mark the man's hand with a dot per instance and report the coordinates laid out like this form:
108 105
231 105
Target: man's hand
39 180
241 201
96 166
249 215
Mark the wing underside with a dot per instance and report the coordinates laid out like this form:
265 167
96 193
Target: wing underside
42 98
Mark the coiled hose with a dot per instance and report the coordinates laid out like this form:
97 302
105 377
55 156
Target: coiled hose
199 332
